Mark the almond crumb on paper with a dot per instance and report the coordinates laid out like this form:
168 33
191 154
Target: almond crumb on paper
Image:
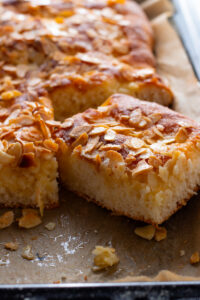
194 259
6 219
50 226
146 232
161 234
104 257
29 219
27 253
11 246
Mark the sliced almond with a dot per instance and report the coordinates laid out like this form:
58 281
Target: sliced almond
154 161
146 232
92 143
51 145
81 140
114 156
27 253
110 135
161 234
8 95
134 143
141 167
110 147
6 219
155 117
98 130
135 117
68 123
181 135
15 150
78 130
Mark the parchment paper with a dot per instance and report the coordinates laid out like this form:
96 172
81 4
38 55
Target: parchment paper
65 254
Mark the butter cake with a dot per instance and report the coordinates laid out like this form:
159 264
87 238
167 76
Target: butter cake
136 158
27 151
80 52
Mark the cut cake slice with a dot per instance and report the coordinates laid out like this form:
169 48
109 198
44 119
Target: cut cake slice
27 152
80 52
136 158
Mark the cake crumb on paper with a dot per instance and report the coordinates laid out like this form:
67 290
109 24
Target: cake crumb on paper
104 257
50 226
6 219
13 246
29 219
182 252
194 259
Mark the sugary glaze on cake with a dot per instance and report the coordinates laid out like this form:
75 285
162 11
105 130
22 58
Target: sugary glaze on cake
145 157
80 52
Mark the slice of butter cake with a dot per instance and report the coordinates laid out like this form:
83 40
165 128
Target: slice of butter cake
136 158
80 52
28 167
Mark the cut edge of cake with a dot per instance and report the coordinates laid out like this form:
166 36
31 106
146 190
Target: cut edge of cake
157 184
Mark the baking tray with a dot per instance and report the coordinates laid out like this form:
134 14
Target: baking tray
188 31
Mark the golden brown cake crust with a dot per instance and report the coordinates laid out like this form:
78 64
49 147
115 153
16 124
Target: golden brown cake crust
51 45
139 135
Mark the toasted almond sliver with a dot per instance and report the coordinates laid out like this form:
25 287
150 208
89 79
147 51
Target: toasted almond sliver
77 131
155 117
114 156
161 234
51 145
68 123
130 158
91 144
135 117
157 131
27 253
110 135
142 123
6 219
141 167
194 259
181 135
98 130
8 95
15 150
110 147
104 257
136 143
81 140
154 161
12 246
146 232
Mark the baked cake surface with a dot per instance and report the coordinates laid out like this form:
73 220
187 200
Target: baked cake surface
27 151
135 158
80 52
